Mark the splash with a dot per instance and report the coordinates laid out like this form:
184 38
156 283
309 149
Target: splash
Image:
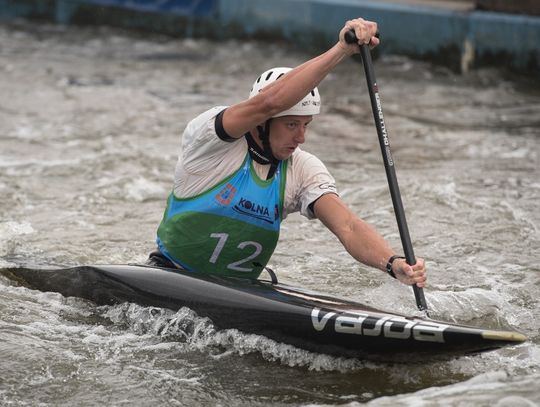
195 333
10 233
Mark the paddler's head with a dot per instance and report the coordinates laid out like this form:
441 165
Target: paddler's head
280 135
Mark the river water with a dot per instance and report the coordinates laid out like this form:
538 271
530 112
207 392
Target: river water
90 125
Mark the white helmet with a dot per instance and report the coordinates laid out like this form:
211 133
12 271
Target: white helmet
309 105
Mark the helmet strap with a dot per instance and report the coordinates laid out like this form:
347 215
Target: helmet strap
262 155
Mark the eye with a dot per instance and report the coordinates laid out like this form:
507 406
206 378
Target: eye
292 125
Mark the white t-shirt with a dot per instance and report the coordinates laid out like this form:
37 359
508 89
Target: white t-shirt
206 160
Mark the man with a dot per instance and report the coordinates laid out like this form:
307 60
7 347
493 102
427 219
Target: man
241 172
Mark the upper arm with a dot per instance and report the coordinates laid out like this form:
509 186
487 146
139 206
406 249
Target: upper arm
335 215
308 180
245 116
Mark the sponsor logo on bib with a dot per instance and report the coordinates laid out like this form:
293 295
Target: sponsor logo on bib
256 210
226 194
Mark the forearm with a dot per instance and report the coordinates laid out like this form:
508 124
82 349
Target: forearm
308 75
281 94
366 245
288 91
358 237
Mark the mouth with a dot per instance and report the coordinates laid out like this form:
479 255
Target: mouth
287 151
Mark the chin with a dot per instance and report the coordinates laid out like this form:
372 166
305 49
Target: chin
286 155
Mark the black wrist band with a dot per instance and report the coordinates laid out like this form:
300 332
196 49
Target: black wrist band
390 262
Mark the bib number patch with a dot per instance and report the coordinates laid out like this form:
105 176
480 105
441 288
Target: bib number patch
238 265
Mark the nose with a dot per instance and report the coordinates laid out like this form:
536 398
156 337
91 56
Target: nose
300 136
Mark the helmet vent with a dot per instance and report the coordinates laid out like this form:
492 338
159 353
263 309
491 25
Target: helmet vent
309 105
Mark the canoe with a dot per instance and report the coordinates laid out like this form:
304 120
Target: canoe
302 318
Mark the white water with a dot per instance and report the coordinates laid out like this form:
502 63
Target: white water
90 121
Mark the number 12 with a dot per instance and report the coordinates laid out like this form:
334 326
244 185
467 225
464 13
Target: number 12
222 239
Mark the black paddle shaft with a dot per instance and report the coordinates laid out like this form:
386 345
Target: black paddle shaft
384 142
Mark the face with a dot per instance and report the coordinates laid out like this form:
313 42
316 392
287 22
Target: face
287 133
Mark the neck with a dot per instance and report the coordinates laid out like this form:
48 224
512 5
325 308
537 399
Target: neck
256 138
256 150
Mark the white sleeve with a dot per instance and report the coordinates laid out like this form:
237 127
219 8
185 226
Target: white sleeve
205 158
307 180
201 147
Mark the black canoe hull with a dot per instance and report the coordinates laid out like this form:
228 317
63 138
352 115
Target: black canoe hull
308 320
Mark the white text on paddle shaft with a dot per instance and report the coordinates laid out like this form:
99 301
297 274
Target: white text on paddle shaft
383 129
389 327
